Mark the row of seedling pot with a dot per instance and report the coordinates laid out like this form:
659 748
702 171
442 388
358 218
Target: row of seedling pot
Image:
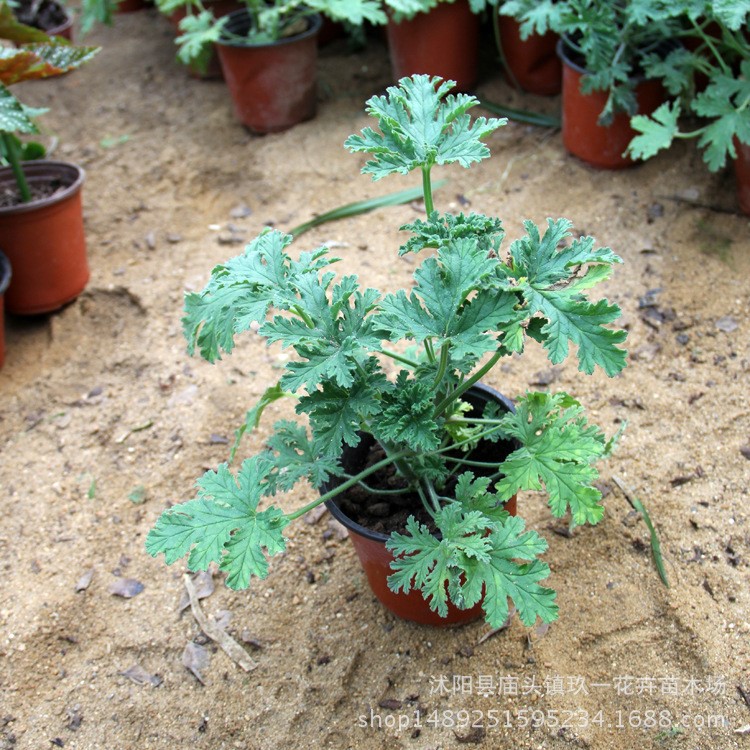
630 72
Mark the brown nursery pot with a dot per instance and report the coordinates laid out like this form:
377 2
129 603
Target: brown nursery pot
49 16
131 6
44 239
742 173
442 42
533 63
5 275
598 145
219 8
273 86
376 559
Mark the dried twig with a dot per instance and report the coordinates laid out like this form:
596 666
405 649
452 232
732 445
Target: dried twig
230 647
495 631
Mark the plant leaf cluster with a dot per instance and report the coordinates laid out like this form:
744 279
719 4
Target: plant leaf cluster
613 41
470 306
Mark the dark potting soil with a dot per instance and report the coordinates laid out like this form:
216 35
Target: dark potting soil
43 15
10 197
387 512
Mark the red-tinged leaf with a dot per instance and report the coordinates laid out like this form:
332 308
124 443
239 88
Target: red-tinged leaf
44 60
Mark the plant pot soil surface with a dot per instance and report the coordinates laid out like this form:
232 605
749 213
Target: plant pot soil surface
105 420
46 15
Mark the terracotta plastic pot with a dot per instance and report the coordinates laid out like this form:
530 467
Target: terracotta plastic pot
219 8
44 240
442 42
49 16
598 145
65 29
5 276
533 63
131 6
273 86
376 559
742 173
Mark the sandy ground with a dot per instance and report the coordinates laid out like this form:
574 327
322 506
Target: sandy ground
104 420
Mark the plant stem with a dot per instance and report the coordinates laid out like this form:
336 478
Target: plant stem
480 373
434 499
344 486
499 46
400 358
14 160
443 366
427 190
468 462
430 350
473 420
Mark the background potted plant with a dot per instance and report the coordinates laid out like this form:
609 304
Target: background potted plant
718 50
453 455
610 53
49 16
41 221
201 58
435 37
268 54
530 60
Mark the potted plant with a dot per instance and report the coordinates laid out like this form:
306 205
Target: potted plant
717 49
435 37
268 54
41 222
530 60
201 58
610 53
49 16
448 453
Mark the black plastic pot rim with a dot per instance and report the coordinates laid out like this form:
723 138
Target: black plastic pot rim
241 18
40 171
6 272
378 536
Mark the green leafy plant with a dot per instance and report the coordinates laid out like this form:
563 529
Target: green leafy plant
407 9
615 42
467 310
93 12
270 22
717 47
37 57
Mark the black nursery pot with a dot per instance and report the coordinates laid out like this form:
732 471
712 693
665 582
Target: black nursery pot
370 545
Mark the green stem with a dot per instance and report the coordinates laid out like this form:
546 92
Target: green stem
434 499
472 439
429 207
376 491
443 366
14 160
468 462
344 486
305 317
499 46
709 43
400 358
430 350
480 373
473 420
